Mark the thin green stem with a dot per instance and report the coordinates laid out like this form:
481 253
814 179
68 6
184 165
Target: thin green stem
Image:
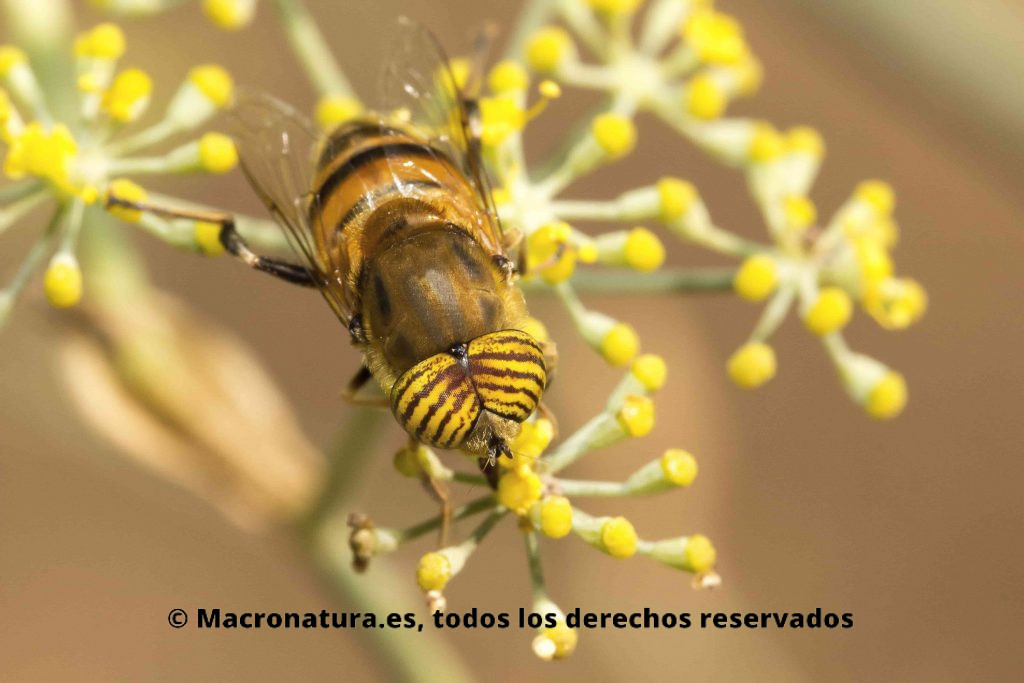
668 281
536 570
468 510
11 213
604 489
311 48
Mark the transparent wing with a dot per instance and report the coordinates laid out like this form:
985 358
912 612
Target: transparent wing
417 81
276 145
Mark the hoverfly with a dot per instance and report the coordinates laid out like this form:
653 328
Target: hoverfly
391 218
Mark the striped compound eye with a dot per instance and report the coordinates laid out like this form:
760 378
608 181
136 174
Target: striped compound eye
439 400
507 369
434 401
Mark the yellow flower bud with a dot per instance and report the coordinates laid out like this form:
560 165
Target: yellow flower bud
214 82
103 41
877 194
544 244
217 153
333 110
10 57
700 555
230 14
716 38
62 281
433 572
874 262
676 197
508 76
756 278
615 133
46 154
767 144
888 397
620 344
651 370
555 516
536 329
618 538
207 236
500 117
679 467
752 365
705 98
637 415
519 489
125 189
533 438
556 642
614 6
644 251
805 140
829 312
548 49
800 212
896 303
128 95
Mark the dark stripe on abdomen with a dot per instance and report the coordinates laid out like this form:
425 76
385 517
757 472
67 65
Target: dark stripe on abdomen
361 158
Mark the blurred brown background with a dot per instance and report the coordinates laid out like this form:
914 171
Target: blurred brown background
914 526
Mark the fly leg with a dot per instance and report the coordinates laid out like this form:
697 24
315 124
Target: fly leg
439 489
357 382
230 238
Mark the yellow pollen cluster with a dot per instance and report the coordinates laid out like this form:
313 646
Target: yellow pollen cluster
434 571
620 344
44 153
700 554
618 538
62 281
533 438
643 250
519 488
705 98
549 47
555 516
334 110
637 415
508 76
651 370
888 397
230 14
213 82
752 365
217 153
615 134
756 278
715 38
128 95
104 41
676 198
829 312
679 467
549 252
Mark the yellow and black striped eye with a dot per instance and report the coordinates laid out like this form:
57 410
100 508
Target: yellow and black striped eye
507 369
435 403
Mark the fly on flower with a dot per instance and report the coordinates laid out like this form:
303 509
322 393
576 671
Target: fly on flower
391 218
